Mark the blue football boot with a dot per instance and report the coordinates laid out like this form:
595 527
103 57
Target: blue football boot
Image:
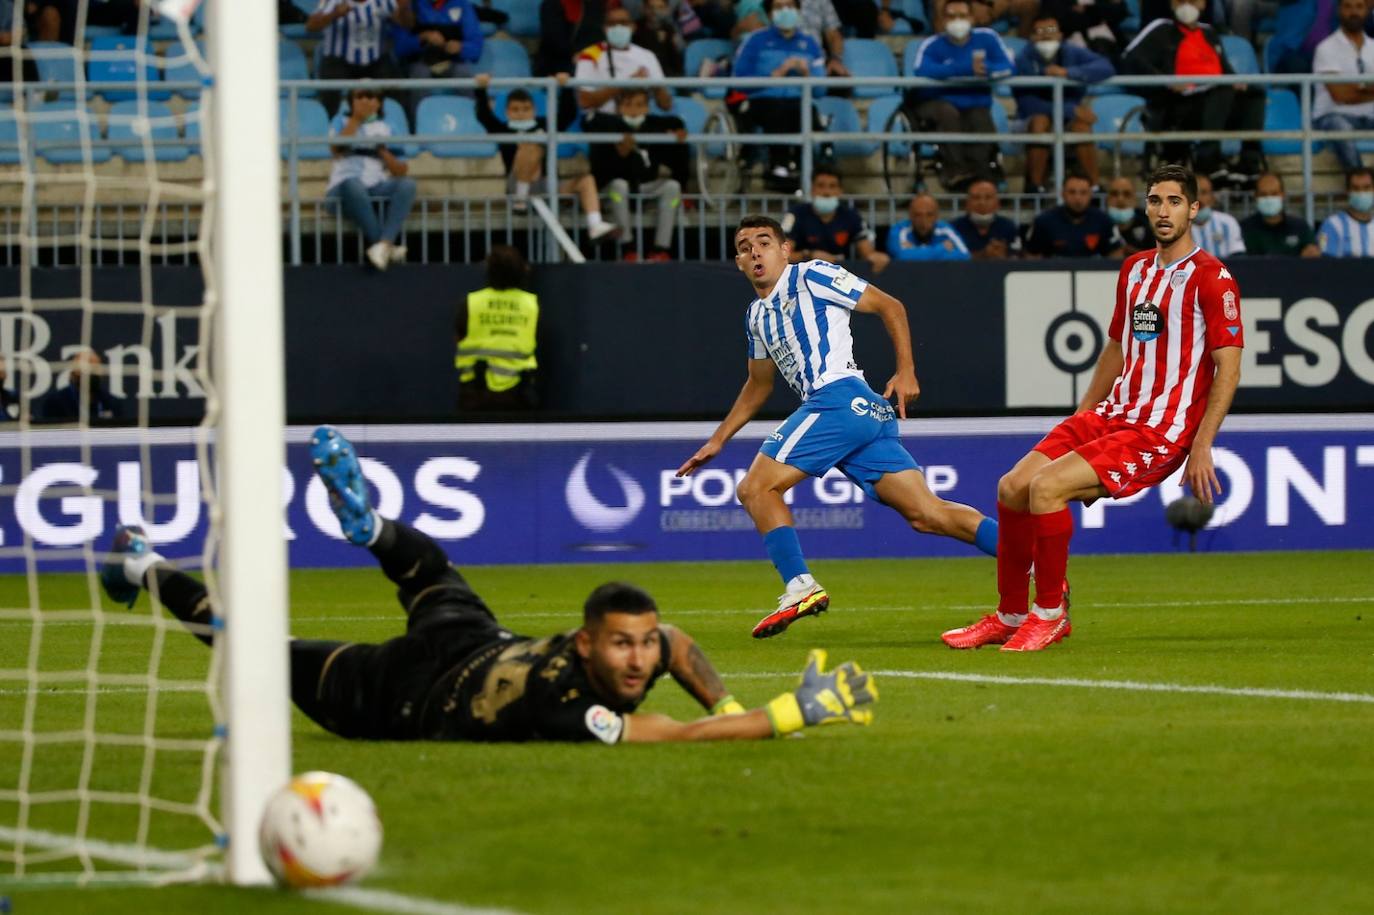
128 540
336 461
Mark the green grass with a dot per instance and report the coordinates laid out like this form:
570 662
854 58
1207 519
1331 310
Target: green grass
962 796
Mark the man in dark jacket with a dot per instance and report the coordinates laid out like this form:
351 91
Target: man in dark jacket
1047 55
1184 47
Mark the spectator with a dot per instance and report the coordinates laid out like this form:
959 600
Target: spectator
962 52
986 234
56 20
496 333
1346 233
65 402
361 172
566 27
1075 228
925 236
625 168
1185 48
828 229
1345 106
1131 231
888 13
750 16
704 19
1095 26
12 33
779 51
989 13
525 161
658 32
1216 232
446 41
617 58
1048 55
861 16
821 22
352 39
1269 230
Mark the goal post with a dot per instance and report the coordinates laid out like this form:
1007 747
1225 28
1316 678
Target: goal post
244 289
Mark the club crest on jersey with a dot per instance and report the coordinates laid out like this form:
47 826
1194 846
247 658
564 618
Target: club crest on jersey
1178 279
1146 321
790 305
1228 305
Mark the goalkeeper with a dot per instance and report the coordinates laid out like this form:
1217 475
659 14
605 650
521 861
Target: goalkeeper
457 674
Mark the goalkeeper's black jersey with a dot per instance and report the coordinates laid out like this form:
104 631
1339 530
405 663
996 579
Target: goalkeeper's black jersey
525 689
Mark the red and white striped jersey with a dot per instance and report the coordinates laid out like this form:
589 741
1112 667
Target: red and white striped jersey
1168 319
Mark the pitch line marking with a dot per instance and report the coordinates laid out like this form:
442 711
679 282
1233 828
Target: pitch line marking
1247 692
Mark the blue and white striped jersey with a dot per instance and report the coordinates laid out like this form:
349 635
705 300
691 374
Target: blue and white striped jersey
1342 235
1220 236
803 325
357 37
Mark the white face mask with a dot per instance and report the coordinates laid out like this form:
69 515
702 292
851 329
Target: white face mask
1047 49
633 121
525 124
618 36
958 29
1186 13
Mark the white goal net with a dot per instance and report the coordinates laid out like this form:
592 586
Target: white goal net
113 721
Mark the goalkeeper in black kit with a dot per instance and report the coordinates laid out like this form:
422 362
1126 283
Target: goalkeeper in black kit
457 674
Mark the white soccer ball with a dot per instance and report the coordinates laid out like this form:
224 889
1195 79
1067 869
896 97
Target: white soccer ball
320 829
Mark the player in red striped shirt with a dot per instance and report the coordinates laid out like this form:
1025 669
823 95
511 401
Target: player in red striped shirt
1156 401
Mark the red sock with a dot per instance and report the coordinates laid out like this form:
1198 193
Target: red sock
1015 540
1052 533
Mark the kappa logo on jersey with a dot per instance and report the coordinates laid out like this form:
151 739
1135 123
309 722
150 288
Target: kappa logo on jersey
1146 321
1162 449
604 724
1228 304
1224 274
1116 477
590 511
1147 458
1130 468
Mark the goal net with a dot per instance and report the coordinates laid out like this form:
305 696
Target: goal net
120 399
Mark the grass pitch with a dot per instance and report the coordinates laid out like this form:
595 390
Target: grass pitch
966 795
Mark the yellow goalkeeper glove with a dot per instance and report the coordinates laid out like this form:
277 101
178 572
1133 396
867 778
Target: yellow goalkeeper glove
824 698
729 705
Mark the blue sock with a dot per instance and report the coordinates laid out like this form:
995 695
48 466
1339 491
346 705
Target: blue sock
784 549
986 536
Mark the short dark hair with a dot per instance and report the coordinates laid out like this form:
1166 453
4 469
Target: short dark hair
759 221
519 95
616 597
506 268
1354 173
1076 174
1177 173
830 170
631 92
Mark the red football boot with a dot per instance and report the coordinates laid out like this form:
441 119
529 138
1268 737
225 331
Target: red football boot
987 631
792 606
1036 634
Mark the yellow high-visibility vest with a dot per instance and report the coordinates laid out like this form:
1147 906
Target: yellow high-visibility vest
501 325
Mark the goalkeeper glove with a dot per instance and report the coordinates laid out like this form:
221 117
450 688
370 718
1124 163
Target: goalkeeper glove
824 698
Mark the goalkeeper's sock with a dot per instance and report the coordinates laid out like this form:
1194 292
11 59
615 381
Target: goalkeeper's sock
985 538
784 549
1015 546
185 597
1052 534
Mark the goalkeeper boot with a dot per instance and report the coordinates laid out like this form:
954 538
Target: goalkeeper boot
336 461
129 540
990 630
806 600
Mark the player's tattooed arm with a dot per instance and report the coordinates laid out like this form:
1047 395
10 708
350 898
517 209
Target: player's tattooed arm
693 671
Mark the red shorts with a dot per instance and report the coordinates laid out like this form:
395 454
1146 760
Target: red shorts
1126 457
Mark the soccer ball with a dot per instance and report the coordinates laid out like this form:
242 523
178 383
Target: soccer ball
320 829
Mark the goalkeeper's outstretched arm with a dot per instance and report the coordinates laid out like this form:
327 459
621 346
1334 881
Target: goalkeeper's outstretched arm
822 697
695 673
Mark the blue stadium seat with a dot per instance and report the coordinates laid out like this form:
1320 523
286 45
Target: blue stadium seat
1119 114
1282 112
503 57
122 118
1131 24
9 139
1240 53
311 121
122 67
869 57
56 63
1003 125
449 114
62 122
692 112
1014 45
184 72
703 50
878 114
570 150
291 64
916 9
843 118
524 17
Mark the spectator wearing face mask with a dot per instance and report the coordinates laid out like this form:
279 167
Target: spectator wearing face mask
1347 233
1048 55
1095 26
618 58
925 236
961 52
826 228
1132 232
1269 230
1216 232
987 234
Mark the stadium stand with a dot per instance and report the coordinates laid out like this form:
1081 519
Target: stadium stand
867 57
448 114
128 122
120 65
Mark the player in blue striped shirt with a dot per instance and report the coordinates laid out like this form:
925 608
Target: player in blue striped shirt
351 39
799 327
1348 233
